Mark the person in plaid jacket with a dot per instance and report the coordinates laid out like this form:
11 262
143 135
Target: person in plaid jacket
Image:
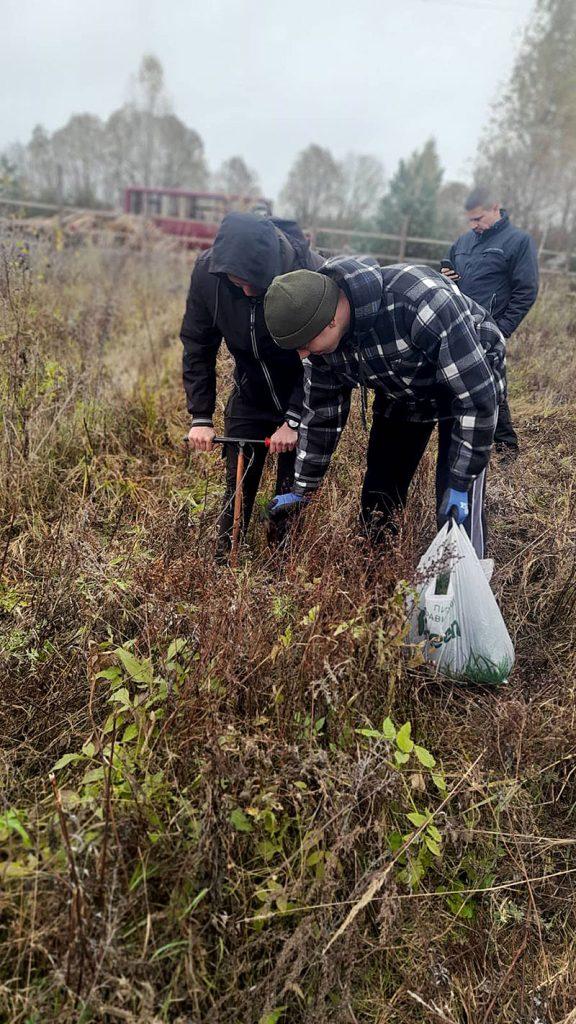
431 355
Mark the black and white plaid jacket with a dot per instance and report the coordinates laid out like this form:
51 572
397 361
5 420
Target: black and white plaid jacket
431 351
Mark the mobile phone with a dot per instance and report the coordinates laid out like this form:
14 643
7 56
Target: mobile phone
447 265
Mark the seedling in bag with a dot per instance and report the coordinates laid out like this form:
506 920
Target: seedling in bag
455 617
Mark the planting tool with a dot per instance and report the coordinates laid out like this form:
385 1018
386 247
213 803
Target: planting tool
241 443
235 440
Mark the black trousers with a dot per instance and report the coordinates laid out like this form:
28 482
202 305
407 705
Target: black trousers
505 433
395 448
243 420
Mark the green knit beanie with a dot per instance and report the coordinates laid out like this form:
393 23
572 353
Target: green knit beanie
298 306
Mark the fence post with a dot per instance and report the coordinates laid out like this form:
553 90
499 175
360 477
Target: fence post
403 237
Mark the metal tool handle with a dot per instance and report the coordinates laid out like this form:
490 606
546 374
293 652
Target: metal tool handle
240 441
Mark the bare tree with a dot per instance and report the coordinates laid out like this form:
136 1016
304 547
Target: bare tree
78 150
528 153
236 178
150 103
180 161
89 162
176 159
313 188
361 188
40 171
450 208
150 94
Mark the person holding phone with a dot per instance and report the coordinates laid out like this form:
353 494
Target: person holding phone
496 264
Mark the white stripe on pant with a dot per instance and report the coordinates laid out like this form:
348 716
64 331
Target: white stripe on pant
476 520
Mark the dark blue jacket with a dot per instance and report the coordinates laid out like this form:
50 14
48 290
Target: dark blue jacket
499 270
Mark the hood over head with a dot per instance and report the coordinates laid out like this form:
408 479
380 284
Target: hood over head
249 247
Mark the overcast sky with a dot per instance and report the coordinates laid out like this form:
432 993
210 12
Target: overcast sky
264 78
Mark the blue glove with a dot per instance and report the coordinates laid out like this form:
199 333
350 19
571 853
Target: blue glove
457 500
286 503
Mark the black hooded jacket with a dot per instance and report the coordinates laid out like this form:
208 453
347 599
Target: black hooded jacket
268 378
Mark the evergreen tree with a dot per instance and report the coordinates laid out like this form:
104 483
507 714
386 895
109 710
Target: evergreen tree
9 179
411 202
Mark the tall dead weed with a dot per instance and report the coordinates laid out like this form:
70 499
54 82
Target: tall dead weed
234 796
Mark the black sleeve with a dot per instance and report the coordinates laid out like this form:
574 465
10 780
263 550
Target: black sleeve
296 401
201 340
523 287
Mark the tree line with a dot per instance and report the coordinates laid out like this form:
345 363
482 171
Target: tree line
527 153
89 161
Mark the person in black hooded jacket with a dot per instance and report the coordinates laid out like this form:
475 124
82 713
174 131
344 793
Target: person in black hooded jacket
225 301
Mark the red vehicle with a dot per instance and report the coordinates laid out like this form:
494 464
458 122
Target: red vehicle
194 216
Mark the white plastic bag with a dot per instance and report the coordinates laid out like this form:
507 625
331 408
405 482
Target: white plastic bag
455 615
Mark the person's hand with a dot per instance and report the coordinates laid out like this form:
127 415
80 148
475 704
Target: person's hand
456 503
283 440
452 274
200 439
285 504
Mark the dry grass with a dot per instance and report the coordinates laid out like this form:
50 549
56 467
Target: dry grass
228 847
